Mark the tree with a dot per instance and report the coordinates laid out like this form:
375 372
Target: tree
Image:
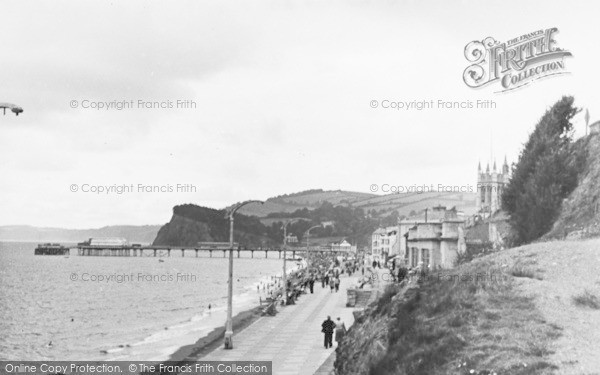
544 175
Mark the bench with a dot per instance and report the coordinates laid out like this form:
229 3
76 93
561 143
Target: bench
265 301
270 305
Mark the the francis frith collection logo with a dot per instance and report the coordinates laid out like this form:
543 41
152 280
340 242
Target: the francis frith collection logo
514 63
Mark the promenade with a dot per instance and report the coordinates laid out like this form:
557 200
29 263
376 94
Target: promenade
292 339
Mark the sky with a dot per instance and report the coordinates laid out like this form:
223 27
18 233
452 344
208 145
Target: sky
282 94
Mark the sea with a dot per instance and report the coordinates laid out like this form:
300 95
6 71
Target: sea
120 308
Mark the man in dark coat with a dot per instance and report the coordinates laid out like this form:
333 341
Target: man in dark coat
402 272
327 328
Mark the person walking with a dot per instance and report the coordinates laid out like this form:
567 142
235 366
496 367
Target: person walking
402 273
337 284
331 284
311 284
323 280
327 328
340 331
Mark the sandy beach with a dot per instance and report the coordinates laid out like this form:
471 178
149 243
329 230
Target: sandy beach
214 339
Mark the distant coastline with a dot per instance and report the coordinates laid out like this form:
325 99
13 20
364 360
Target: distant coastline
144 234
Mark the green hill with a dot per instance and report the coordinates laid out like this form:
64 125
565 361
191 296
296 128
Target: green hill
382 205
354 216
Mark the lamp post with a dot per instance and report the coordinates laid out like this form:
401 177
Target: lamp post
229 323
307 237
14 108
284 277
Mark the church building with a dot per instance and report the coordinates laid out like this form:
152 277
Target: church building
490 185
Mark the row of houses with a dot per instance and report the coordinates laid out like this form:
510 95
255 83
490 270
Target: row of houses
433 238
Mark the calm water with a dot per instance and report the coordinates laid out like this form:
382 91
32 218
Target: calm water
143 309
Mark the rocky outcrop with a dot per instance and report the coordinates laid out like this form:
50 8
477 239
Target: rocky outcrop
191 224
181 231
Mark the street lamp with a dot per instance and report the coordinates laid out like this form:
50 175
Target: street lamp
285 257
14 108
307 237
229 323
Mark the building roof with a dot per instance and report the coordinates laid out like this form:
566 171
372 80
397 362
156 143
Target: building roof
380 231
435 214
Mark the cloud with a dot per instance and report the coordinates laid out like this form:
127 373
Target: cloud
282 93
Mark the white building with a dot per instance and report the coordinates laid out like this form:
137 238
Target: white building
595 128
343 246
433 238
384 243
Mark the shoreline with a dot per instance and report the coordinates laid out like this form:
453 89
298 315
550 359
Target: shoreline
206 344
214 339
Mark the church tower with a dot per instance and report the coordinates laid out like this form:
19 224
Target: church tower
490 185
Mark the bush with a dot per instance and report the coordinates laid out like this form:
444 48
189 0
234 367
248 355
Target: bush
546 173
384 302
587 299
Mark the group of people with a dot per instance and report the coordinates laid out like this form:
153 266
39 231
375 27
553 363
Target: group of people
270 288
329 327
331 278
399 273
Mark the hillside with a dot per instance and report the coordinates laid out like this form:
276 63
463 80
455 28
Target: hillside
141 234
191 224
580 213
519 311
354 217
383 205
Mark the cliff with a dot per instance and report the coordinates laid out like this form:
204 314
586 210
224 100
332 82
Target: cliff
191 224
580 212
181 231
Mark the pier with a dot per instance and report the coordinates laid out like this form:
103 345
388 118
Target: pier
51 249
205 248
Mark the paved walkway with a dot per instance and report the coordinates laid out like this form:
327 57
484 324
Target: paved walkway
292 339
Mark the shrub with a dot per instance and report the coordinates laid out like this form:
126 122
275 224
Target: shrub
587 299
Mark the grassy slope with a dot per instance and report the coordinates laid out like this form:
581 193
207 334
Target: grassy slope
581 210
507 323
404 203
